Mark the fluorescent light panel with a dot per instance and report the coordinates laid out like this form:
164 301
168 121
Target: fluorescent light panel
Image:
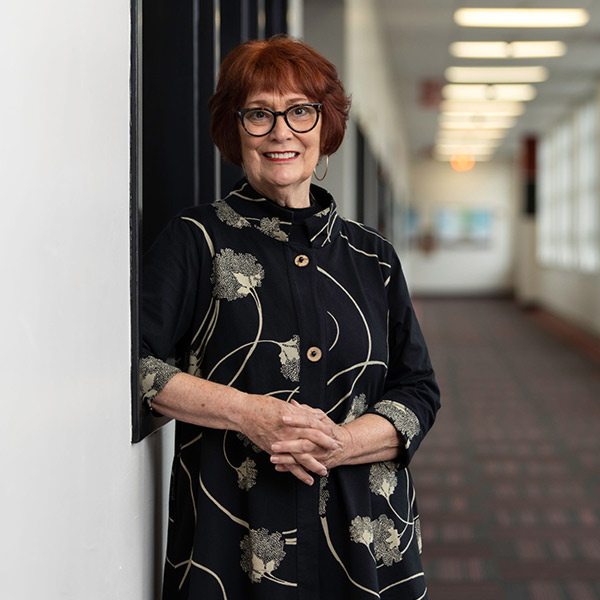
508 49
472 91
476 122
470 134
468 146
444 157
496 74
521 17
483 107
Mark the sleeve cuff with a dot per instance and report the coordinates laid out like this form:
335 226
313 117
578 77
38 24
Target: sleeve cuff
402 418
154 374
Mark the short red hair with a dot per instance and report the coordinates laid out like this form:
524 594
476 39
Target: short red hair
279 64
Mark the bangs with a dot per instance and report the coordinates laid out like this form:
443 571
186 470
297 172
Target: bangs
282 77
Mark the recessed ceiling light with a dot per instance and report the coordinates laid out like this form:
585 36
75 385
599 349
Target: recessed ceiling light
508 49
521 17
483 107
475 122
471 134
496 74
474 145
521 92
447 157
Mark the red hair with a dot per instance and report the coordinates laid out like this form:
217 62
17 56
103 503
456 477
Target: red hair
279 64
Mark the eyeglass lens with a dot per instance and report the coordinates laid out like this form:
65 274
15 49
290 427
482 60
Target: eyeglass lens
260 121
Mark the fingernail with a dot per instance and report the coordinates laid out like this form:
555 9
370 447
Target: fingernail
276 447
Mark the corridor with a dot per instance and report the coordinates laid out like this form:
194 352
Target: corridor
508 480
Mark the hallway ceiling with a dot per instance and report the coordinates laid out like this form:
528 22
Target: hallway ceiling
418 34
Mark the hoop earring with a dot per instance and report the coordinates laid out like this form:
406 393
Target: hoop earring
326 169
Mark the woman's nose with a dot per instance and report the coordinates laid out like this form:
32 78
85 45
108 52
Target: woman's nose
281 129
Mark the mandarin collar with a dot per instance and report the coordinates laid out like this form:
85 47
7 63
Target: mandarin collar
245 207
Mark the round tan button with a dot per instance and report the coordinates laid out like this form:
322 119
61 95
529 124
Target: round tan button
314 354
301 260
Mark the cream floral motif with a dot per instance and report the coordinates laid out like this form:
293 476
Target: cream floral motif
290 358
405 420
246 473
154 375
323 495
272 228
418 534
262 553
361 531
235 275
324 212
226 214
357 408
382 534
382 478
248 442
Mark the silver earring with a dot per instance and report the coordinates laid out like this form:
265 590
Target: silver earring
326 169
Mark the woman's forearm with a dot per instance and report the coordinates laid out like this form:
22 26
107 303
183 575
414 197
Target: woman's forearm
201 402
371 439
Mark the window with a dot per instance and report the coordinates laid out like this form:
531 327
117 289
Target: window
569 199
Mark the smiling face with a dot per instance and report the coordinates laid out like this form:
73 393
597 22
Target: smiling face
280 164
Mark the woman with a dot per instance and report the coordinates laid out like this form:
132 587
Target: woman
303 385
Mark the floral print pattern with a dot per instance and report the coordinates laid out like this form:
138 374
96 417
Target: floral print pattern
235 275
262 553
382 534
245 315
405 421
290 358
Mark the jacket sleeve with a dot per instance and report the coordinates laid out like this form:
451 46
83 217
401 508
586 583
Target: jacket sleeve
170 291
411 397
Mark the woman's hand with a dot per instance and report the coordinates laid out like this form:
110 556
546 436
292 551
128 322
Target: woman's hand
307 447
299 438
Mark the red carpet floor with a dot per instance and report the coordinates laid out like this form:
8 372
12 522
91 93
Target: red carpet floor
508 480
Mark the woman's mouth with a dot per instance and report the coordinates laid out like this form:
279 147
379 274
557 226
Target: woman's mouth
281 155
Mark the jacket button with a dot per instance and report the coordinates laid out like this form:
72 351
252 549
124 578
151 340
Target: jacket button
301 260
314 354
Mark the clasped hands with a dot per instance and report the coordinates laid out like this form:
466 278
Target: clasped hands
300 439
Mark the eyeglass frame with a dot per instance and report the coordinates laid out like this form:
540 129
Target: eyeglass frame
240 114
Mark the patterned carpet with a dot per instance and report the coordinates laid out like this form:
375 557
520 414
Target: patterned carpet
508 480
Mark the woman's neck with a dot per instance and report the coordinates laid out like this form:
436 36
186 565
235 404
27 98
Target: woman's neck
297 196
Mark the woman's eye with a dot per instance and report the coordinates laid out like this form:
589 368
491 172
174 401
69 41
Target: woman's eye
300 111
258 115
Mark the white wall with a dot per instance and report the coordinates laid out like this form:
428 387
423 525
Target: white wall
465 270
77 498
572 295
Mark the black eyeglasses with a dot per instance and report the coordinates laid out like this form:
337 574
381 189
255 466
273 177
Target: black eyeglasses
300 118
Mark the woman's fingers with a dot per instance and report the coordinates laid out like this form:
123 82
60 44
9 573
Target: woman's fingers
296 470
307 461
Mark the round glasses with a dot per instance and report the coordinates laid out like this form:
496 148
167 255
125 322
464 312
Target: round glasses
300 118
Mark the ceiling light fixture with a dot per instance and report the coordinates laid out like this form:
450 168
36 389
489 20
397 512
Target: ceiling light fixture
521 92
467 146
470 134
496 74
483 107
521 17
447 156
547 49
475 122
